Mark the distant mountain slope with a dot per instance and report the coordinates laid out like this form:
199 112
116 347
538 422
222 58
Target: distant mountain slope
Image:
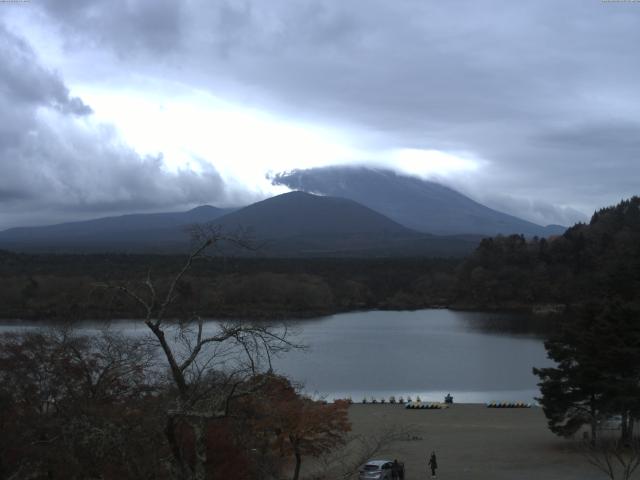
135 232
300 214
418 204
292 224
301 224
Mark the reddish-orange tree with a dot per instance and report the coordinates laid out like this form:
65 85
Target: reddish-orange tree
313 428
300 426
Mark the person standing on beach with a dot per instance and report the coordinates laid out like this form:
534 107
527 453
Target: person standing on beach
395 470
433 464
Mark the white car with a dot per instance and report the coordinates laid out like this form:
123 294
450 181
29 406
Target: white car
378 470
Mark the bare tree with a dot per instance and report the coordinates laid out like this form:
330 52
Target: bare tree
345 463
72 406
210 364
613 457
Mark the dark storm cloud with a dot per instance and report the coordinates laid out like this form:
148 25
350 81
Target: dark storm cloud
53 159
26 83
125 26
603 137
544 92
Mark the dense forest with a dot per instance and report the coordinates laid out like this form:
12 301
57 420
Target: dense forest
72 286
601 258
590 261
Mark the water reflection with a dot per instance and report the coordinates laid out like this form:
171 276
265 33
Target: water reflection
513 324
478 357
425 352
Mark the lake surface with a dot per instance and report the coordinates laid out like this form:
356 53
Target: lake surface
477 357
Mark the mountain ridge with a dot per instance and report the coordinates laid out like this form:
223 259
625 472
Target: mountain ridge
422 205
330 215
138 228
291 224
197 214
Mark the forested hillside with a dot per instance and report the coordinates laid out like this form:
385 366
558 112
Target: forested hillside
599 259
66 287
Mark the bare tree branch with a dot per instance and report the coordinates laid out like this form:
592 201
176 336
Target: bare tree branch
612 457
344 464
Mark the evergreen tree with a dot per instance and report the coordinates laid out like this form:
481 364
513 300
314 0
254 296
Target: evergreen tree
573 392
618 328
597 353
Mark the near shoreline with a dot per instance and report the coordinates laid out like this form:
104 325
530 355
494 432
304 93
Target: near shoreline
474 442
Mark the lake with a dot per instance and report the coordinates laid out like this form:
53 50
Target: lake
477 357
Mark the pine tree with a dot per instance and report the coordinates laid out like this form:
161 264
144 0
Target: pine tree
573 393
597 353
618 328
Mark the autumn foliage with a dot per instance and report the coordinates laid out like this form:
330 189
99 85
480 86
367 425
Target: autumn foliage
299 426
79 407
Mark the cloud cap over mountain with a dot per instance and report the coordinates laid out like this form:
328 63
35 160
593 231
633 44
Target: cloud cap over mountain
418 204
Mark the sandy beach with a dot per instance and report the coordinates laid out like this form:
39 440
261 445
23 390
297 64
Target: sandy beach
475 442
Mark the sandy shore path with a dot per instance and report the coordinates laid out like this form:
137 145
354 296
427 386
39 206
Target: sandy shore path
475 442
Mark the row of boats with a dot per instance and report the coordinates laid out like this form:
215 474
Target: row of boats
440 406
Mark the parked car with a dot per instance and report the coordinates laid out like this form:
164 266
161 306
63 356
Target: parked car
378 470
612 422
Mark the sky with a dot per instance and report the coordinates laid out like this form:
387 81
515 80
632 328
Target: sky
121 106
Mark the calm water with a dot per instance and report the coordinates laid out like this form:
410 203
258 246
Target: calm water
426 352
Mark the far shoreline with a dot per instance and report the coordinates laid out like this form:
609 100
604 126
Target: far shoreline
533 310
